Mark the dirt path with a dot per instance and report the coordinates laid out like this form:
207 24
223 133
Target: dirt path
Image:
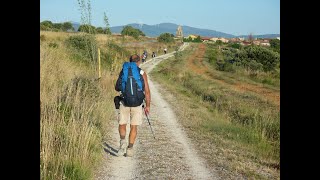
170 156
195 63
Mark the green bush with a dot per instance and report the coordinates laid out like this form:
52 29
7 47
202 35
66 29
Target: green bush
235 45
87 28
166 38
99 30
53 45
269 59
130 31
198 39
85 45
275 45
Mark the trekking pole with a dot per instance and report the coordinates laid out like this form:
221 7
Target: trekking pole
148 120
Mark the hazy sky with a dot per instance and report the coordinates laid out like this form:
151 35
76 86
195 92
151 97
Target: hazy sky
235 17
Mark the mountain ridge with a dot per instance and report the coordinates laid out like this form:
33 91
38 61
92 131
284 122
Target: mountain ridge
157 29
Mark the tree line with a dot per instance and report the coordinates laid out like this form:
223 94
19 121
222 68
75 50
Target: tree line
67 27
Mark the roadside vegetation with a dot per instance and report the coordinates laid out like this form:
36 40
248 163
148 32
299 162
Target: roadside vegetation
260 64
225 110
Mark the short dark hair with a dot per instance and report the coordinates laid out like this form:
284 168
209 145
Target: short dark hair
134 58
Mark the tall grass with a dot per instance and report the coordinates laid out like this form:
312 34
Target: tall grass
75 110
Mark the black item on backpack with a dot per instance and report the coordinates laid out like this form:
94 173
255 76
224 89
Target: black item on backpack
116 101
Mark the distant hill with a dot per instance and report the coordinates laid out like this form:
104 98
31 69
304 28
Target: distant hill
156 30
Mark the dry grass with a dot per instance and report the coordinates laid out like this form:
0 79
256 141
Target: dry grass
215 117
75 107
75 111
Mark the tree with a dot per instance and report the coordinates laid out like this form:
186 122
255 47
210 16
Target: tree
219 42
43 27
166 38
47 24
268 58
235 45
99 30
107 31
275 44
57 26
87 28
106 21
67 26
130 31
198 39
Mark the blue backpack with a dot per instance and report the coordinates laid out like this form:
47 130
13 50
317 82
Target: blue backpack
131 85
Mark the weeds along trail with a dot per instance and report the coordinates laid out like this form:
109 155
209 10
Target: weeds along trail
195 63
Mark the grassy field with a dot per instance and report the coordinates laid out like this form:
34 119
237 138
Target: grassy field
76 107
233 118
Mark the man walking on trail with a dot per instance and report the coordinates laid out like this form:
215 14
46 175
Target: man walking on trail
134 87
165 50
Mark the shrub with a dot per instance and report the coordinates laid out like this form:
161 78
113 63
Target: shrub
43 37
269 59
130 31
84 44
87 28
275 45
166 38
53 45
99 30
235 45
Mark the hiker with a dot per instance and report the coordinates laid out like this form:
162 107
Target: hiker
144 57
153 55
134 87
165 50
145 53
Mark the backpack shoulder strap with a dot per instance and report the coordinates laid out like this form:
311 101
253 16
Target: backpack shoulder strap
124 77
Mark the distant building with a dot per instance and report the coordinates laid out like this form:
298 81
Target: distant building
245 43
214 39
179 32
224 40
192 36
265 44
205 39
256 42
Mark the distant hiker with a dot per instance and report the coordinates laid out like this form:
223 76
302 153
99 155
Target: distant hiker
153 54
134 87
165 50
144 57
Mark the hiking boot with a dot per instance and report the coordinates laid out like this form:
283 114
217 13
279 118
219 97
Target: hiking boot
130 152
123 147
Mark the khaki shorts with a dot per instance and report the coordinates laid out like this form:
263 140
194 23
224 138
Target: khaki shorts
134 112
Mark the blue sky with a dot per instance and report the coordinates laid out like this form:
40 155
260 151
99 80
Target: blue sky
237 17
